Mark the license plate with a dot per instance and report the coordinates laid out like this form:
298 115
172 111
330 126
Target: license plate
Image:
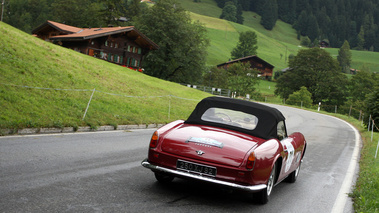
196 168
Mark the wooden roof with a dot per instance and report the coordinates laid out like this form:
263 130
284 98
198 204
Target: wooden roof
247 58
78 34
58 26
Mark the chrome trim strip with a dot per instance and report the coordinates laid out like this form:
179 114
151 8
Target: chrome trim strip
255 188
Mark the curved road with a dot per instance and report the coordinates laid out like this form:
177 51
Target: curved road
101 172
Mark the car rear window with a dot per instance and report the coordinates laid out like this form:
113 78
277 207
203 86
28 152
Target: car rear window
230 117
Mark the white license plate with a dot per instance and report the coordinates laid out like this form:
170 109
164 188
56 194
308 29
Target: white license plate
196 168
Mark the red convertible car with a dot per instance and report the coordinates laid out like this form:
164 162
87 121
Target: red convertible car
229 142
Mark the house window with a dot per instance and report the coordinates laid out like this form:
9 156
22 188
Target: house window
111 44
115 45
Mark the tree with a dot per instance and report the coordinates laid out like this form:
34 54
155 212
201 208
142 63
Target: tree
344 57
319 72
361 39
269 14
372 105
305 41
216 78
239 16
182 43
362 84
112 11
312 30
247 45
85 14
229 12
301 97
242 79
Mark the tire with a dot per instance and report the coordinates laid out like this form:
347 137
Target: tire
163 178
263 196
293 176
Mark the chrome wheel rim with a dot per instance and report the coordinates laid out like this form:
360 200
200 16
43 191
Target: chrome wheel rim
297 171
270 183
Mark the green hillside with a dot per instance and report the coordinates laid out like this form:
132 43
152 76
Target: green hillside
273 45
44 85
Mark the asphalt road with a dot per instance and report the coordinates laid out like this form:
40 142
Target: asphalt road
101 172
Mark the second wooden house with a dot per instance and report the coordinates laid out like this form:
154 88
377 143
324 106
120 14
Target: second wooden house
265 69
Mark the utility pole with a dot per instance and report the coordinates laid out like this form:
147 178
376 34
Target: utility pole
2 10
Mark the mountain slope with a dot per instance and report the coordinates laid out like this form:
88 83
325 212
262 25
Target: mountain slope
273 46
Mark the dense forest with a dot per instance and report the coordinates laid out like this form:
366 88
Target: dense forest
29 14
334 21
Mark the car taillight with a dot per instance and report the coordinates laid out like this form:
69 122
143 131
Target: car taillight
250 161
154 140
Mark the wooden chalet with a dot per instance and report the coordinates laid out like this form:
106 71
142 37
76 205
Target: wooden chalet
324 44
265 69
121 45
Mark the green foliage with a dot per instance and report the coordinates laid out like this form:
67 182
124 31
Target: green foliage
242 79
80 15
229 12
362 84
301 97
247 45
305 41
372 105
182 43
269 14
319 73
216 78
344 57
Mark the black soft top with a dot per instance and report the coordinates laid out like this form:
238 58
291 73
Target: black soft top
268 116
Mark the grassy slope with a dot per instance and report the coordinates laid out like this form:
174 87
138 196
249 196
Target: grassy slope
273 45
28 61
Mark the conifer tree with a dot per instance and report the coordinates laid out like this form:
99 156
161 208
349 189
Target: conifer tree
269 14
344 57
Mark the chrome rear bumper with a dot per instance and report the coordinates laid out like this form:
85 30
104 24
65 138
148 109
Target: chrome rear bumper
254 188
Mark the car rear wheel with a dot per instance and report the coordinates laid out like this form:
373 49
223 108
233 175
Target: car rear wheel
293 176
163 178
263 196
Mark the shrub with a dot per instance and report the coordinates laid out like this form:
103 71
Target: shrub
301 97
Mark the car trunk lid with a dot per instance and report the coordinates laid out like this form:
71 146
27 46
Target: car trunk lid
209 144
